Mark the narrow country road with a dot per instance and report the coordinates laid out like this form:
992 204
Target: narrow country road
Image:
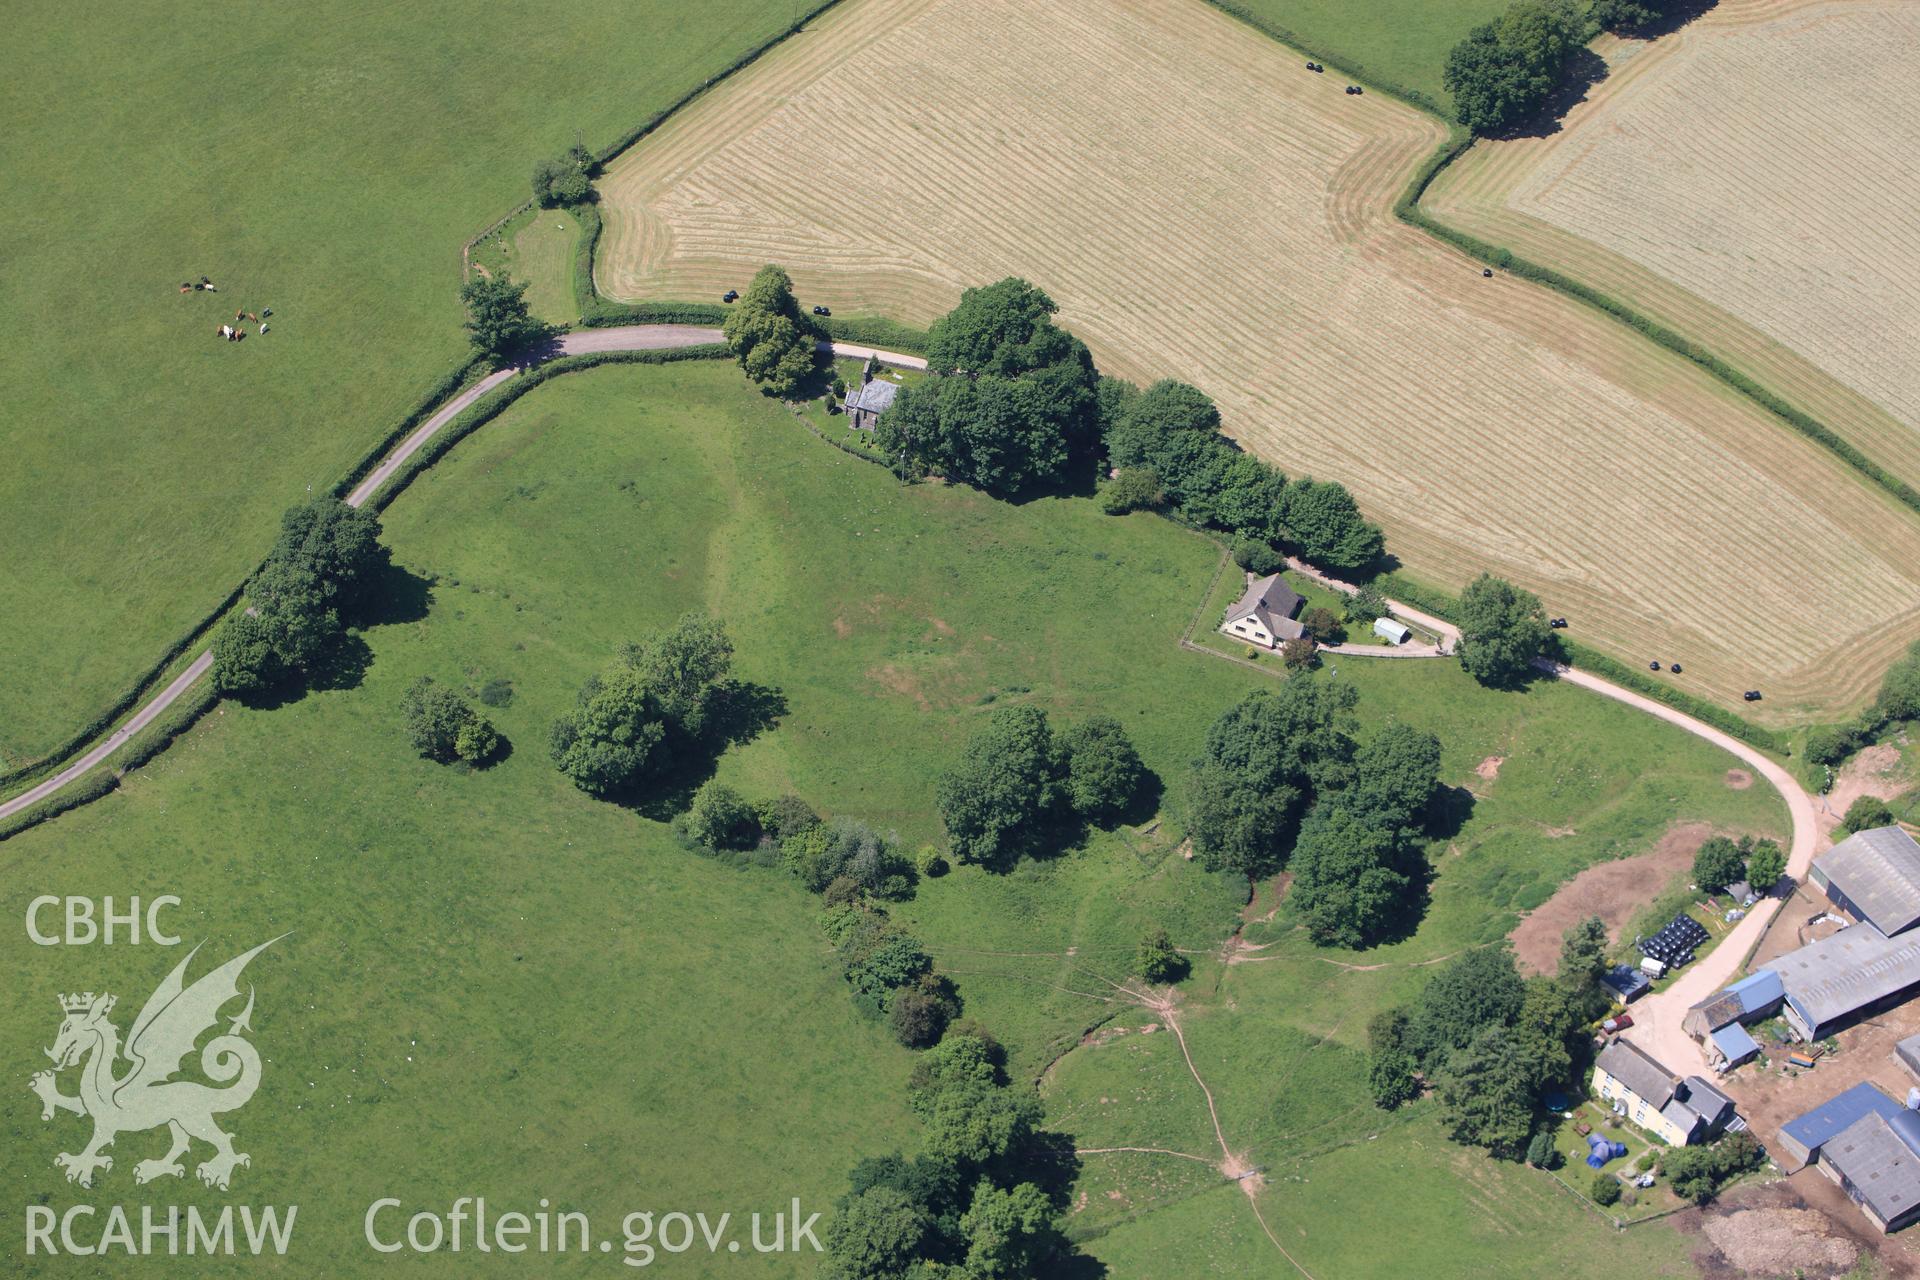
1656 1018
654 337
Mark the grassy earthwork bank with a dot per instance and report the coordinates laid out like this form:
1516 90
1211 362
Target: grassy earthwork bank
499 986
326 162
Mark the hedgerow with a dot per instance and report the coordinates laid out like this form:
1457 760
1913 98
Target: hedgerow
1351 70
1407 208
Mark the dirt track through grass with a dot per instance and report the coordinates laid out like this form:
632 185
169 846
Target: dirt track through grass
896 154
1749 179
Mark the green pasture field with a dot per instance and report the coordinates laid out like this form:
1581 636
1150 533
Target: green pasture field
536 249
599 1016
325 160
1404 42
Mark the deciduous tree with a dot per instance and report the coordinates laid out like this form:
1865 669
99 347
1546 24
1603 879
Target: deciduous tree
767 334
1502 630
499 323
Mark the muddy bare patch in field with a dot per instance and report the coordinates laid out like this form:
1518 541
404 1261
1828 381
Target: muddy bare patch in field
1614 891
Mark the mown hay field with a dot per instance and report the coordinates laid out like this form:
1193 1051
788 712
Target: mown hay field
1749 180
1203 207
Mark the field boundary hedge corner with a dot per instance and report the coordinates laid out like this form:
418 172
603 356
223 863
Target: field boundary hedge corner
1355 71
1409 210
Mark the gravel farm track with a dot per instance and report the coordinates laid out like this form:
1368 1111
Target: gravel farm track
1218 213
1749 181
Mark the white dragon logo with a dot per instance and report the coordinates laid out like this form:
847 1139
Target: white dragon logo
146 1097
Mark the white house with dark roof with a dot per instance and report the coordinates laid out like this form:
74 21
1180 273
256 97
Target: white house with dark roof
1263 614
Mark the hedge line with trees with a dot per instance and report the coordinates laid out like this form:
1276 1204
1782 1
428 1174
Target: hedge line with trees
564 179
1506 70
499 324
1166 441
1898 702
986 1197
317 579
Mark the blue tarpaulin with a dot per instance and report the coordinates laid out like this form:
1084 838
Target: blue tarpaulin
1600 1150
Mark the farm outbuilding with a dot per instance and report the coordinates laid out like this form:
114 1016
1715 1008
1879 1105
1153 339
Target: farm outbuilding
1390 631
1626 983
1908 1053
1733 1045
1876 1161
1838 980
1802 1138
1874 876
1757 996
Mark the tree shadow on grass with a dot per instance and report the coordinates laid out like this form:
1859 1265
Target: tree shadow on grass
1449 811
741 712
1679 16
397 595
1147 796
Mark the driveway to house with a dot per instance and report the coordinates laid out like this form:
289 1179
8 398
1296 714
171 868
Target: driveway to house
650 337
1656 1018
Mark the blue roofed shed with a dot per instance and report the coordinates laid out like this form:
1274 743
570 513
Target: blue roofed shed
1734 1045
1756 996
1802 1138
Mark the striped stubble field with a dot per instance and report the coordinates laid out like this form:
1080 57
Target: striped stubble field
1203 207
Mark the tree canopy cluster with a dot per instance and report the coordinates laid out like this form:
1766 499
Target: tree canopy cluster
631 720
1502 630
1171 433
319 576
1697 1173
443 726
1018 786
1629 17
1720 862
1281 770
1504 72
1009 402
1491 1042
890 972
564 179
499 323
774 343
985 1198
